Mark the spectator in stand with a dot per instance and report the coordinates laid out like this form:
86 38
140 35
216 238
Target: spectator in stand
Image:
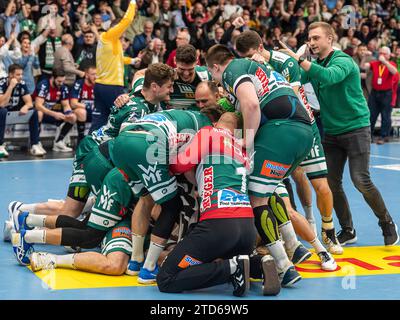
15 98
63 60
7 54
85 54
27 22
52 103
183 38
362 56
52 21
46 53
380 98
165 20
142 40
10 17
230 8
107 15
365 35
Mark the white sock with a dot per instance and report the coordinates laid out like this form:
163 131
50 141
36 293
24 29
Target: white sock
35 236
327 223
65 261
152 255
35 220
28 207
137 248
317 245
278 252
233 265
289 237
309 213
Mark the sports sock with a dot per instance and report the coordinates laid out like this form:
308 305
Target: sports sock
278 252
317 245
289 237
81 130
233 265
64 131
65 261
35 236
153 254
28 207
137 247
327 223
308 210
35 220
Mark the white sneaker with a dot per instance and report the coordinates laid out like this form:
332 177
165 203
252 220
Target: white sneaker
331 242
8 228
37 150
41 148
61 147
327 261
43 260
3 151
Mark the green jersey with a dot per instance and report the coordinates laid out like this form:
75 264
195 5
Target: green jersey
177 126
136 108
268 83
286 66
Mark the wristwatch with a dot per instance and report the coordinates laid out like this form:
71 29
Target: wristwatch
301 60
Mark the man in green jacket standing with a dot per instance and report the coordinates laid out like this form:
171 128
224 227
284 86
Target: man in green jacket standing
345 116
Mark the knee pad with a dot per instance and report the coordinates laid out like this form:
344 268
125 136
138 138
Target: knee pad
80 194
278 208
170 211
266 224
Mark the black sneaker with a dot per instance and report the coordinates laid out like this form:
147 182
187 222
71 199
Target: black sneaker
347 237
241 277
390 235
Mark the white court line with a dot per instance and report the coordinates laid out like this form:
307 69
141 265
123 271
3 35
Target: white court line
384 157
19 161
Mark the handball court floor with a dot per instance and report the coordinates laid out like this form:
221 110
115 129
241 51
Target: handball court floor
367 270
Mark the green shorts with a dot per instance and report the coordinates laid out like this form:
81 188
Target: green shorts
138 155
280 146
315 164
78 178
95 168
114 201
119 238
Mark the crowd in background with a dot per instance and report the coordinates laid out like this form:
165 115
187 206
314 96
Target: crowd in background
41 36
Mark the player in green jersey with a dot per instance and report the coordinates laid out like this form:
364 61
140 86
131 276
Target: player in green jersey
157 87
282 141
141 152
248 44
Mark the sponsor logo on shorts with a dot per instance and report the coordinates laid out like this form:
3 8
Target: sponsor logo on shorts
274 169
188 261
121 232
208 187
229 198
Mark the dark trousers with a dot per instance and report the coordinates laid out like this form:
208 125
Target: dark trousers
379 103
104 97
355 147
191 264
33 126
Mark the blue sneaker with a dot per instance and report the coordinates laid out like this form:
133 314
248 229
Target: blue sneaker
18 217
147 276
301 254
13 210
289 277
134 267
22 249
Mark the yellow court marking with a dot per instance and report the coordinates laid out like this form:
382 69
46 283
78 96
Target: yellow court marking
62 279
356 261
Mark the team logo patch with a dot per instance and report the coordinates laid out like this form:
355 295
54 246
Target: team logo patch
273 169
230 198
121 232
188 261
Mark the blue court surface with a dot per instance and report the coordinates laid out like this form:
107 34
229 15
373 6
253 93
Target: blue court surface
368 270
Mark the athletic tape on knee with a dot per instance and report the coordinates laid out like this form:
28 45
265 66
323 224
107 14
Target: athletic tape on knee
279 209
80 194
266 224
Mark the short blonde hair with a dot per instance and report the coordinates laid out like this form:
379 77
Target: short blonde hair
324 26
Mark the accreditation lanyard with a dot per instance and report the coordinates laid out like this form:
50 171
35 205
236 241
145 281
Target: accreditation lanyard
380 71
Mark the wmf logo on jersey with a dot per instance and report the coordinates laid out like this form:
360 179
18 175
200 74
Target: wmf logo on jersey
151 174
106 200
